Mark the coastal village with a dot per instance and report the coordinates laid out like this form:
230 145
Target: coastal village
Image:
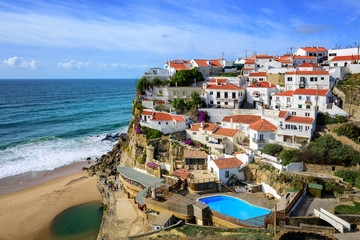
280 134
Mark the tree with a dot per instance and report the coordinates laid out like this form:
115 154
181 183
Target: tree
349 130
178 104
155 82
272 149
142 85
186 77
195 97
288 156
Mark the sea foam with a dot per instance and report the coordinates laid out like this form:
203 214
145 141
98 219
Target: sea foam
50 153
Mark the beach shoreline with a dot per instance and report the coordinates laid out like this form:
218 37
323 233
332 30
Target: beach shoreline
27 213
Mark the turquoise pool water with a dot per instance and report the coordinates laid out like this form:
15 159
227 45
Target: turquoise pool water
234 207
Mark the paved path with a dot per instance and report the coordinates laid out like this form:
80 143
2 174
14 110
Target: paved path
308 204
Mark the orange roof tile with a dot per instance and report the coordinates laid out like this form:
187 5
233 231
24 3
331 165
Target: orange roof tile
207 127
249 68
194 154
307 64
314 49
259 55
224 163
250 61
257 74
223 87
320 92
160 116
228 132
345 58
201 62
219 80
181 173
241 118
288 93
262 125
299 119
265 56
284 60
282 114
262 85
304 57
179 66
308 73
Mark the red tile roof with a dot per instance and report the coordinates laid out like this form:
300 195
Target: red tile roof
282 114
345 58
263 125
223 87
201 62
308 73
219 80
179 66
194 154
160 116
242 118
314 49
307 64
262 85
228 132
224 163
284 60
320 92
304 57
250 61
181 173
264 56
257 74
207 127
249 68
288 93
299 119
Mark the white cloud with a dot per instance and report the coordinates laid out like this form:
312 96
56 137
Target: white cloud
73 65
19 62
123 66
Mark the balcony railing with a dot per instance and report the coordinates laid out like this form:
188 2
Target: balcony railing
258 140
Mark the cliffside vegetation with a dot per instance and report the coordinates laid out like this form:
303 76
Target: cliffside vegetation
350 86
187 77
349 130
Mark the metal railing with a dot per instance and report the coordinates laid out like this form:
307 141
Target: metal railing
256 222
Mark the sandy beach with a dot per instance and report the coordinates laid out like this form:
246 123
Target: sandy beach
27 213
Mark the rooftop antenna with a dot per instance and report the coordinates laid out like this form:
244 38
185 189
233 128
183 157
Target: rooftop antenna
291 48
222 55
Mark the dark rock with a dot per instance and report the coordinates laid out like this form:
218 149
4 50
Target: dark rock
89 158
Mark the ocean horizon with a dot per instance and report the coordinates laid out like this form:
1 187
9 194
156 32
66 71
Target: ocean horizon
49 123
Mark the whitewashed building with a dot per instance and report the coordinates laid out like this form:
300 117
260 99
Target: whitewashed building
240 122
308 79
282 100
224 95
298 60
261 133
260 93
219 139
224 167
344 61
309 67
320 53
255 77
342 52
176 65
164 122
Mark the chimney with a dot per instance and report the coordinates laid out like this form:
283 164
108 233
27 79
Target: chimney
231 122
217 82
202 124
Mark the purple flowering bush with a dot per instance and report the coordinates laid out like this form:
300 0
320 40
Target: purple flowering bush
138 129
202 116
189 142
152 165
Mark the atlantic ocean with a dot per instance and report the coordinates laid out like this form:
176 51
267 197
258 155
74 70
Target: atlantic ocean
46 124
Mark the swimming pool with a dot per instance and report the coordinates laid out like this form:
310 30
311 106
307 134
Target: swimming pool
234 207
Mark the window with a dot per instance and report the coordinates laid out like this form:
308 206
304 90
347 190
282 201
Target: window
261 137
288 99
299 106
271 136
332 54
300 127
277 98
218 103
194 133
289 79
218 94
322 78
159 123
211 102
307 114
307 107
307 128
300 97
226 95
313 79
335 64
307 98
167 123
211 93
226 103
233 95
293 113
261 79
226 174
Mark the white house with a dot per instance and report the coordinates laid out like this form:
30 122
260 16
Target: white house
261 132
225 95
160 73
342 52
224 167
219 139
309 67
298 60
164 122
260 93
308 79
210 67
296 127
263 61
240 122
344 61
176 65
310 98
255 77
320 52
286 60
282 100
249 66
218 81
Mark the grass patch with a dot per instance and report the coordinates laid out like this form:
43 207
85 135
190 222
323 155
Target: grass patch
345 209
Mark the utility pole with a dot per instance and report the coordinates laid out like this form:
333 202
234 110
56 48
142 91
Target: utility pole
291 48
245 53
222 55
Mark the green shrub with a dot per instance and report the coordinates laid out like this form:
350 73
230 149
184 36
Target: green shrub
326 118
272 149
142 85
349 130
151 133
288 156
186 77
179 105
142 159
346 209
267 167
155 82
347 175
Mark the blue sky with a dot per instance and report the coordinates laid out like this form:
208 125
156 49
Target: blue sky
122 39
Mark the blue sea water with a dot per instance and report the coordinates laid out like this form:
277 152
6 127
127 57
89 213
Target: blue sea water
234 207
46 124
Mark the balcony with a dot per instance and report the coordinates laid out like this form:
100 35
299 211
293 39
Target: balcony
301 85
308 102
255 140
216 145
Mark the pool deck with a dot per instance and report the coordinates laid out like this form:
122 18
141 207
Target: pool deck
256 199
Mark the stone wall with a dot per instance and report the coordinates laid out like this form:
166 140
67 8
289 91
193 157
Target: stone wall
326 169
276 78
296 221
